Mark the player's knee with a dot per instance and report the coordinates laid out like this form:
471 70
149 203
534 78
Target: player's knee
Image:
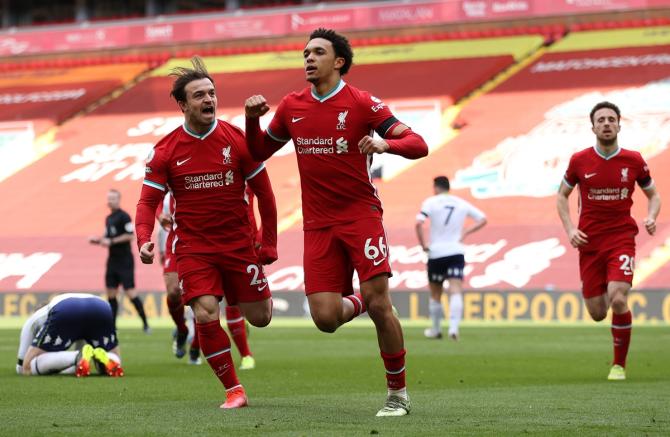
260 320
204 314
379 308
326 323
173 295
327 327
619 304
597 314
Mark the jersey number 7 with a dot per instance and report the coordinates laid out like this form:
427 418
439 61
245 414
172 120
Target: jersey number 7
451 210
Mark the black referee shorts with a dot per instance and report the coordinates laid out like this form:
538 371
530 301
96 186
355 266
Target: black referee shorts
120 272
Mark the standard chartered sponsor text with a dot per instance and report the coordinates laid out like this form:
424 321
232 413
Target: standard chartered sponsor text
204 181
607 194
318 145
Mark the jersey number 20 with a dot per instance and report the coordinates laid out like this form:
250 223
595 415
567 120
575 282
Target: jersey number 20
627 264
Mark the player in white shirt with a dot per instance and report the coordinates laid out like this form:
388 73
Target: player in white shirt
446 252
68 319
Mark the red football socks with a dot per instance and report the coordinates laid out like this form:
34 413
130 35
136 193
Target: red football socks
359 304
237 329
395 369
215 346
622 325
177 313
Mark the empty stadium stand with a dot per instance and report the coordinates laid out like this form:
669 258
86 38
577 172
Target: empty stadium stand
502 113
33 101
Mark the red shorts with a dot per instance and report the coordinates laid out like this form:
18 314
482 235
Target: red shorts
598 268
237 276
169 261
332 254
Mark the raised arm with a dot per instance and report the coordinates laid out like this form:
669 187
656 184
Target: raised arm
261 144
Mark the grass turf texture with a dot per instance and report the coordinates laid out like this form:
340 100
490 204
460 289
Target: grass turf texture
495 381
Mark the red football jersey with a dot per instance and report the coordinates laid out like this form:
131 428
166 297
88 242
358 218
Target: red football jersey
606 186
206 175
335 177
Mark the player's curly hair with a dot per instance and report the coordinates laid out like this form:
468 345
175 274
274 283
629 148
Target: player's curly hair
340 45
184 75
608 105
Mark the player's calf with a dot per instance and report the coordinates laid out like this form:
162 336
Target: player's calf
179 343
63 362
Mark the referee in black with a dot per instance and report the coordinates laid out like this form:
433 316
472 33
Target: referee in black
119 232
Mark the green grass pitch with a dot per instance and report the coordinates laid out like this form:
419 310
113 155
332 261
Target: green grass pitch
503 380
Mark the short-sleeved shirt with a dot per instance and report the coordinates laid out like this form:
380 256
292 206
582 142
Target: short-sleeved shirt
335 177
119 223
447 215
606 186
206 175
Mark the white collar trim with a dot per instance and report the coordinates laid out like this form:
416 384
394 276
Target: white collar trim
606 158
203 136
330 93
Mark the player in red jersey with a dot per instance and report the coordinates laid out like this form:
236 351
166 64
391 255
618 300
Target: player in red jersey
331 123
205 164
605 236
234 319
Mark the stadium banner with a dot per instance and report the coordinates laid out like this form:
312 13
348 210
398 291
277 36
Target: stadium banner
242 24
542 306
580 6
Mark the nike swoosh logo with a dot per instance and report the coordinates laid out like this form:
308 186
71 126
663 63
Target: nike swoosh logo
263 287
589 175
378 262
296 119
182 162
